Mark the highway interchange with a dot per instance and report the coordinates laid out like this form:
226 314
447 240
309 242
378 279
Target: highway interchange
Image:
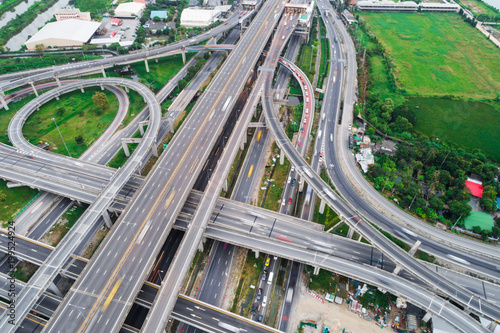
221 99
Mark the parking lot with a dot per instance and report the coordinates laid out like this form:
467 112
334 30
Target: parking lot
126 30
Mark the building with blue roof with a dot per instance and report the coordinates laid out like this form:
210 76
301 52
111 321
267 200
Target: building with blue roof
158 13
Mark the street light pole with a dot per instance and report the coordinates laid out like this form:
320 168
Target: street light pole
54 120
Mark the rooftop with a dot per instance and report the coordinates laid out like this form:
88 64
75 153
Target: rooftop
68 29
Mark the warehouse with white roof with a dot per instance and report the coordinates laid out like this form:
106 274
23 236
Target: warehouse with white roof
195 17
130 9
61 34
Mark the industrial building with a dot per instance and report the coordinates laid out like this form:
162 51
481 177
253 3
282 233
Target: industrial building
130 9
70 12
62 34
407 6
196 17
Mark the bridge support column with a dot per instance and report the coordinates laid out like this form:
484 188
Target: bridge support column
53 288
256 254
107 219
126 88
58 82
224 186
322 206
427 317
141 129
102 87
316 270
170 124
2 100
397 269
34 88
57 97
301 184
282 157
154 150
125 149
200 246
147 66
492 326
183 52
156 60
414 247
103 71
350 232
242 144
82 90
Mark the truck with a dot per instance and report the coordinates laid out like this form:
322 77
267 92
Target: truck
289 295
270 279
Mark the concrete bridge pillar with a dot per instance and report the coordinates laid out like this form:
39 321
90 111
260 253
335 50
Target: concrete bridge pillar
102 87
147 65
183 52
34 88
427 317
350 232
492 326
82 90
53 289
141 129
125 149
322 206
200 246
316 270
103 71
301 184
2 100
397 269
126 88
57 97
414 247
154 151
282 157
242 144
156 60
107 219
170 124
256 254
58 82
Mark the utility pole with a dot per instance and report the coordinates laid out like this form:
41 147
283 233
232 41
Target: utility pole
54 119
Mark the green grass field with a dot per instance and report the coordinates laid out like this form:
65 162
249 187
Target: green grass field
16 199
159 72
438 54
467 123
40 127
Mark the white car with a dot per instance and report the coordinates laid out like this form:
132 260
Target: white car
307 111
264 301
349 127
305 120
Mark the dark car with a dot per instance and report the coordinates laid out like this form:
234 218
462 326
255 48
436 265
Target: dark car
259 318
254 308
259 294
264 275
294 182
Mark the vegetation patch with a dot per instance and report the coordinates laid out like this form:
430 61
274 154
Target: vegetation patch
65 223
76 115
12 200
24 271
437 54
11 65
468 123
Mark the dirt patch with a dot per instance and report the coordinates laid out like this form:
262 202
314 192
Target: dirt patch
239 262
55 234
336 316
94 243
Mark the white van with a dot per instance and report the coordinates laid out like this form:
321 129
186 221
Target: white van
270 280
283 37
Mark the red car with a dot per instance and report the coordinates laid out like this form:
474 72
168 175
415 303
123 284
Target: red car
225 23
320 155
289 200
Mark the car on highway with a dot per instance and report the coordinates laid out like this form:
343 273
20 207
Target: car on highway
302 129
239 17
305 120
259 293
320 155
264 301
307 110
268 260
259 318
264 275
268 6
292 169
289 180
225 23
349 127
307 99
294 182
254 308
289 202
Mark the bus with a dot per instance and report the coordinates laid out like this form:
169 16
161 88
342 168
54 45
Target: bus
351 141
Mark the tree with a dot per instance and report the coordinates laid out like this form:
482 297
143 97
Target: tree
100 100
156 19
476 229
39 48
60 111
79 140
3 196
488 200
401 125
